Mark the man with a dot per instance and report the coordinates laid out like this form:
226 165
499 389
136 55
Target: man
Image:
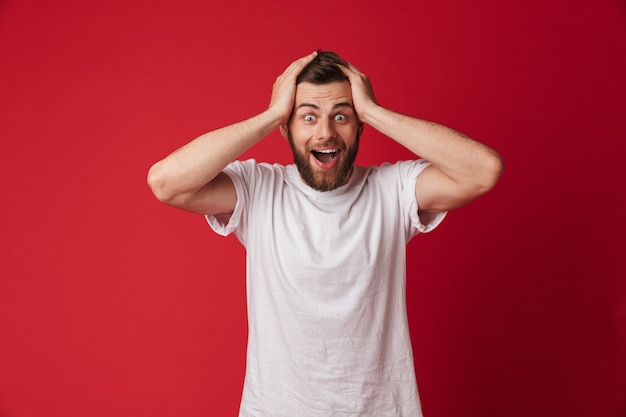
325 239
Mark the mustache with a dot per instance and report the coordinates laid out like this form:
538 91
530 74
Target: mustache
330 143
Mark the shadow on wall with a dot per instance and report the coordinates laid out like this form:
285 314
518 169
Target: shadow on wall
537 327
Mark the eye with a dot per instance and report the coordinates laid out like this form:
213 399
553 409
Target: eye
340 118
309 118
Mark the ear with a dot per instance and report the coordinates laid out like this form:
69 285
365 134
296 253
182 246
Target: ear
284 130
361 126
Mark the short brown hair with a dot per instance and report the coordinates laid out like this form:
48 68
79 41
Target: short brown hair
323 69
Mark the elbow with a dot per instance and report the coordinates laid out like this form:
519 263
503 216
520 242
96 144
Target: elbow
159 184
491 171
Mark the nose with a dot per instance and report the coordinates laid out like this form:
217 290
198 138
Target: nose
325 129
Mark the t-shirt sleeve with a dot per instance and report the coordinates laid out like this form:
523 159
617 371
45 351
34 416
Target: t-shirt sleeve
425 223
239 173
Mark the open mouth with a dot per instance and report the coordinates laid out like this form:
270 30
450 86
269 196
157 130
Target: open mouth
325 155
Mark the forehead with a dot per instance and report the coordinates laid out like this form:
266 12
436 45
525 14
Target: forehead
323 94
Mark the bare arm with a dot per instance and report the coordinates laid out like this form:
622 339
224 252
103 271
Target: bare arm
191 177
462 169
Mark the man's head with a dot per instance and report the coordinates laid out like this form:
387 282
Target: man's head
324 129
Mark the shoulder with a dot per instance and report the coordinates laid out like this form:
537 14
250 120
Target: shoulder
398 171
252 169
255 180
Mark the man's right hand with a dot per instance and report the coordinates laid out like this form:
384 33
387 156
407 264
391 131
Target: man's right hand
284 89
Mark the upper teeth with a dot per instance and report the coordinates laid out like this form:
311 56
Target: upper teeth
326 151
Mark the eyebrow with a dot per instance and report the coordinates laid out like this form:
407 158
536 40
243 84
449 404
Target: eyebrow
336 106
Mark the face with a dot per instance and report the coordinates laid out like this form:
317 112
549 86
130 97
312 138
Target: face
324 134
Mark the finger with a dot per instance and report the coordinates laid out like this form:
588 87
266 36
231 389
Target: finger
349 68
347 72
308 58
353 68
352 73
299 64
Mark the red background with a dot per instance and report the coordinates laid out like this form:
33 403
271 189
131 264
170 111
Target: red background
112 304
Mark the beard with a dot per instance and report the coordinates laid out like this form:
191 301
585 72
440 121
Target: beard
326 180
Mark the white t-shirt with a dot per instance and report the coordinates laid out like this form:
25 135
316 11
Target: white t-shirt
326 272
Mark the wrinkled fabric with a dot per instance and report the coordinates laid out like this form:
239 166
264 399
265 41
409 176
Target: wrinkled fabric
326 274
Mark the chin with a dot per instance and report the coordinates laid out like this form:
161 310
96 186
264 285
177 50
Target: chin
319 179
